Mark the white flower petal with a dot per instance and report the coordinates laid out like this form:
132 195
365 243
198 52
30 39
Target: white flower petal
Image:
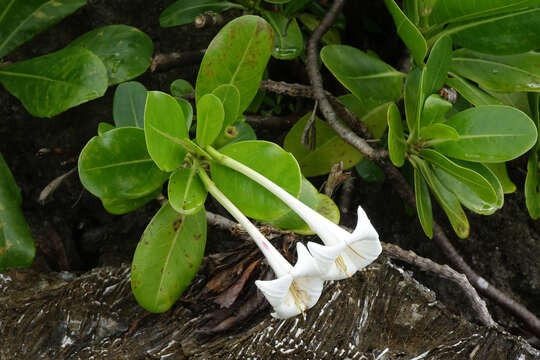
275 291
305 265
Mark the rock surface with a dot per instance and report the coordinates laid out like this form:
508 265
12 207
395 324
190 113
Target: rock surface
380 313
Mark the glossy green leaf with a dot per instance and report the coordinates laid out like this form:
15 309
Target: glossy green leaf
447 11
500 171
180 87
499 73
410 8
128 105
50 84
185 11
165 130
488 134
532 190
471 92
117 165
519 100
295 6
267 159
312 198
21 20
126 51
288 39
434 111
374 117
230 99
237 55
487 174
478 184
368 170
210 116
329 150
16 242
438 65
504 34
186 191
438 131
408 32
414 100
103 127
396 137
465 194
446 199
187 110
369 79
311 22
423 204
167 258
120 206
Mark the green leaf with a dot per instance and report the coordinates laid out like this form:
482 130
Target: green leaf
369 79
186 191
471 92
446 199
237 55
16 242
126 51
414 100
438 65
423 204
288 39
120 206
487 174
103 127
167 258
185 11
230 99
210 115
465 194
503 34
532 191
329 148
50 84
438 131
312 198
295 6
435 109
128 105
447 11
311 22
21 20
251 198
396 138
187 110
476 182
165 130
488 134
499 73
368 170
117 165
411 36
180 87
277 1
500 171
372 117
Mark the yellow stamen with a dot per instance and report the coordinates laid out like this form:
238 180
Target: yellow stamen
297 297
349 246
341 265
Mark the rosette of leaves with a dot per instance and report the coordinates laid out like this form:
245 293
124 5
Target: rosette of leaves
127 164
495 64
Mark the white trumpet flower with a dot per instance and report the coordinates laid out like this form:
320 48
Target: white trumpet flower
345 252
295 289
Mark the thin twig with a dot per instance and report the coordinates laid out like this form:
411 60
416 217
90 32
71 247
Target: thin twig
53 185
273 122
446 272
162 62
399 183
395 252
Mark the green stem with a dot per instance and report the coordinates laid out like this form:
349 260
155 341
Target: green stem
276 261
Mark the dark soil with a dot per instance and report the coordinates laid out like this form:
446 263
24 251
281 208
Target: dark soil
73 232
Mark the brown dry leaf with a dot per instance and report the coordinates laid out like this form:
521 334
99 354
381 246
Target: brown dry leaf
229 296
